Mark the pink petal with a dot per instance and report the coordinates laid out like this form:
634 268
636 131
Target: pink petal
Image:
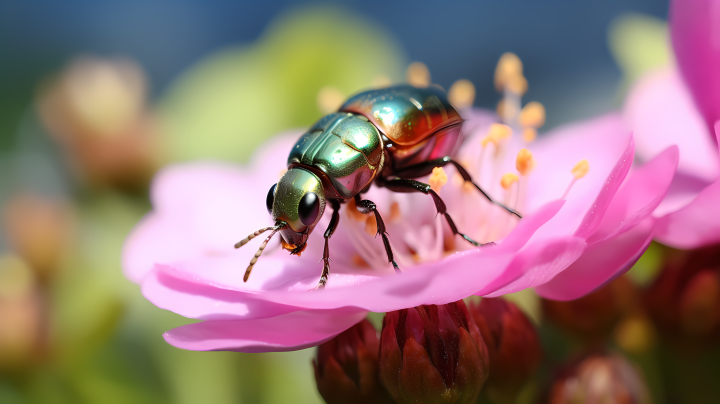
601 141
600 263
624 233
538 274
661 113
288 332
220 294
695 33
695 224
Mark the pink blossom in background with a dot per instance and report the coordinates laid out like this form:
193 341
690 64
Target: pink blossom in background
695 35
670 107
182 253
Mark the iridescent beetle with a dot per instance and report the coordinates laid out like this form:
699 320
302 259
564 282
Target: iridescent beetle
386 136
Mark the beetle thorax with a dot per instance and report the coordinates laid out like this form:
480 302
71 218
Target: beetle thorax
345 148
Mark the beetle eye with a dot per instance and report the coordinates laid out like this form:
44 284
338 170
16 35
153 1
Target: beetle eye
270 198
309 208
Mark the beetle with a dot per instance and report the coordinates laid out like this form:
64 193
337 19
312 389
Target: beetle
385 137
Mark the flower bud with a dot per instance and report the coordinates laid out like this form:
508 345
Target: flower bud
684 301
96 111
39 230
513 345
433 354
595 315
599 378
346 368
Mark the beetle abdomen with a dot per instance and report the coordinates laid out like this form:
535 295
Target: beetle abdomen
405 114
345 147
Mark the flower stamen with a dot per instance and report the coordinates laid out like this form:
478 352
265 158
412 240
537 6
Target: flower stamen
418 74
462 94
438 178
532 115
578 171
524 162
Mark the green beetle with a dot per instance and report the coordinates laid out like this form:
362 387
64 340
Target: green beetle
387 137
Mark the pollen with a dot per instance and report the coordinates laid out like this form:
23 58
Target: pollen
529 134
581 169
358 261
381 81
508 179
487 139
329 99
438 178
532 115
509 67
353 213
371 225
395 213
525 162
517 85
418 74
462 94
499 131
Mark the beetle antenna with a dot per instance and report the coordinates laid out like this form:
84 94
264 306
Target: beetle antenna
252 236
259 252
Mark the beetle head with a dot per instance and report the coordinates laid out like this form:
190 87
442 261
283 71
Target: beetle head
298 199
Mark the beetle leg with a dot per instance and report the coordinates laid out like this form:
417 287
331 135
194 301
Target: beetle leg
406 186
366 206
425 168
326 251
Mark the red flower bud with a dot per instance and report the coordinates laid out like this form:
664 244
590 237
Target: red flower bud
684 301
599 378
432 354
513 345
346 369
595 315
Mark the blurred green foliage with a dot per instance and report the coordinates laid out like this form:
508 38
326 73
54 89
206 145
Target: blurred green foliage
233 100
638 43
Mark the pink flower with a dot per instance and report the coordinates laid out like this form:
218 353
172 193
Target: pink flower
695 34
663 109
576 235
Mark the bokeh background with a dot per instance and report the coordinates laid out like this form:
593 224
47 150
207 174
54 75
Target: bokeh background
96 96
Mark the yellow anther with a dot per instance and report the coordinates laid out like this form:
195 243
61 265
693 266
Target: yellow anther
371 225
581 169
329 99
381 81
438 178
358 261
529 134
462 94
517 85
395 214
499 131
418 74
353 212
525 161
532 115
496 133
487 139
509 66
508 179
